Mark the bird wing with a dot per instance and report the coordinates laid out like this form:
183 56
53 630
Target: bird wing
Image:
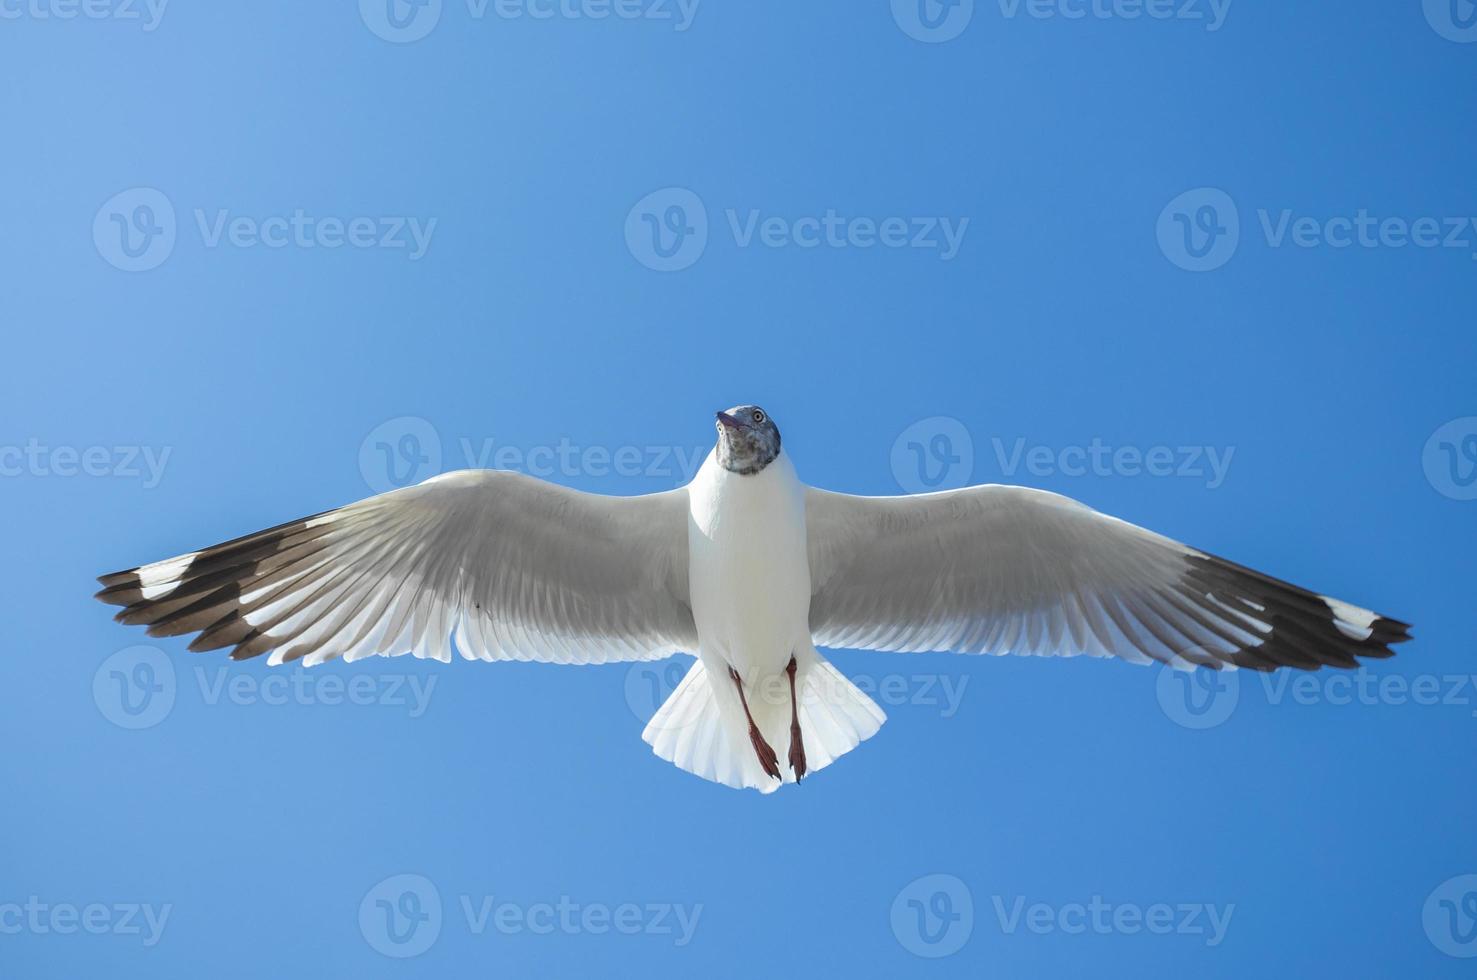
1000 569
498 564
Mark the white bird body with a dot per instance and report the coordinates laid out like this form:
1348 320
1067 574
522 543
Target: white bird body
749 576
748 570
746 567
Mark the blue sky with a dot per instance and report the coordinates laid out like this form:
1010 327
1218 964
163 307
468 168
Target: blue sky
1210 272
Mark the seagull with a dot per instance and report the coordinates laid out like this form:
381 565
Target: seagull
749 569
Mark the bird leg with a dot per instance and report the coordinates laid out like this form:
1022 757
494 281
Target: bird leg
797 747
762 749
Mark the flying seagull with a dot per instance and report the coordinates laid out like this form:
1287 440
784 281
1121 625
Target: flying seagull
749 569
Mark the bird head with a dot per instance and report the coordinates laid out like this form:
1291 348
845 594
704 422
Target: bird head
748 439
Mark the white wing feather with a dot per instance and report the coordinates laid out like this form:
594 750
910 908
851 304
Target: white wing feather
497 564
1001 569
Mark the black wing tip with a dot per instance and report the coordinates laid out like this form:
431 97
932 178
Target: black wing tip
119 588
1384 635
1396 630
200 592
1308 631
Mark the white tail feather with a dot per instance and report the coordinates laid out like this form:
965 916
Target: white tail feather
705 733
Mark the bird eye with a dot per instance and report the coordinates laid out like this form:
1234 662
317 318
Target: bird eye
758 417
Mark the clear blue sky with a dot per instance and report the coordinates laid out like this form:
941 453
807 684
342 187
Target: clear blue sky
1196 278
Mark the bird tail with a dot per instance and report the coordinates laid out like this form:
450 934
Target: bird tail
701 727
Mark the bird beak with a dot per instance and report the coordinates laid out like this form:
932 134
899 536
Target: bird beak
729 421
